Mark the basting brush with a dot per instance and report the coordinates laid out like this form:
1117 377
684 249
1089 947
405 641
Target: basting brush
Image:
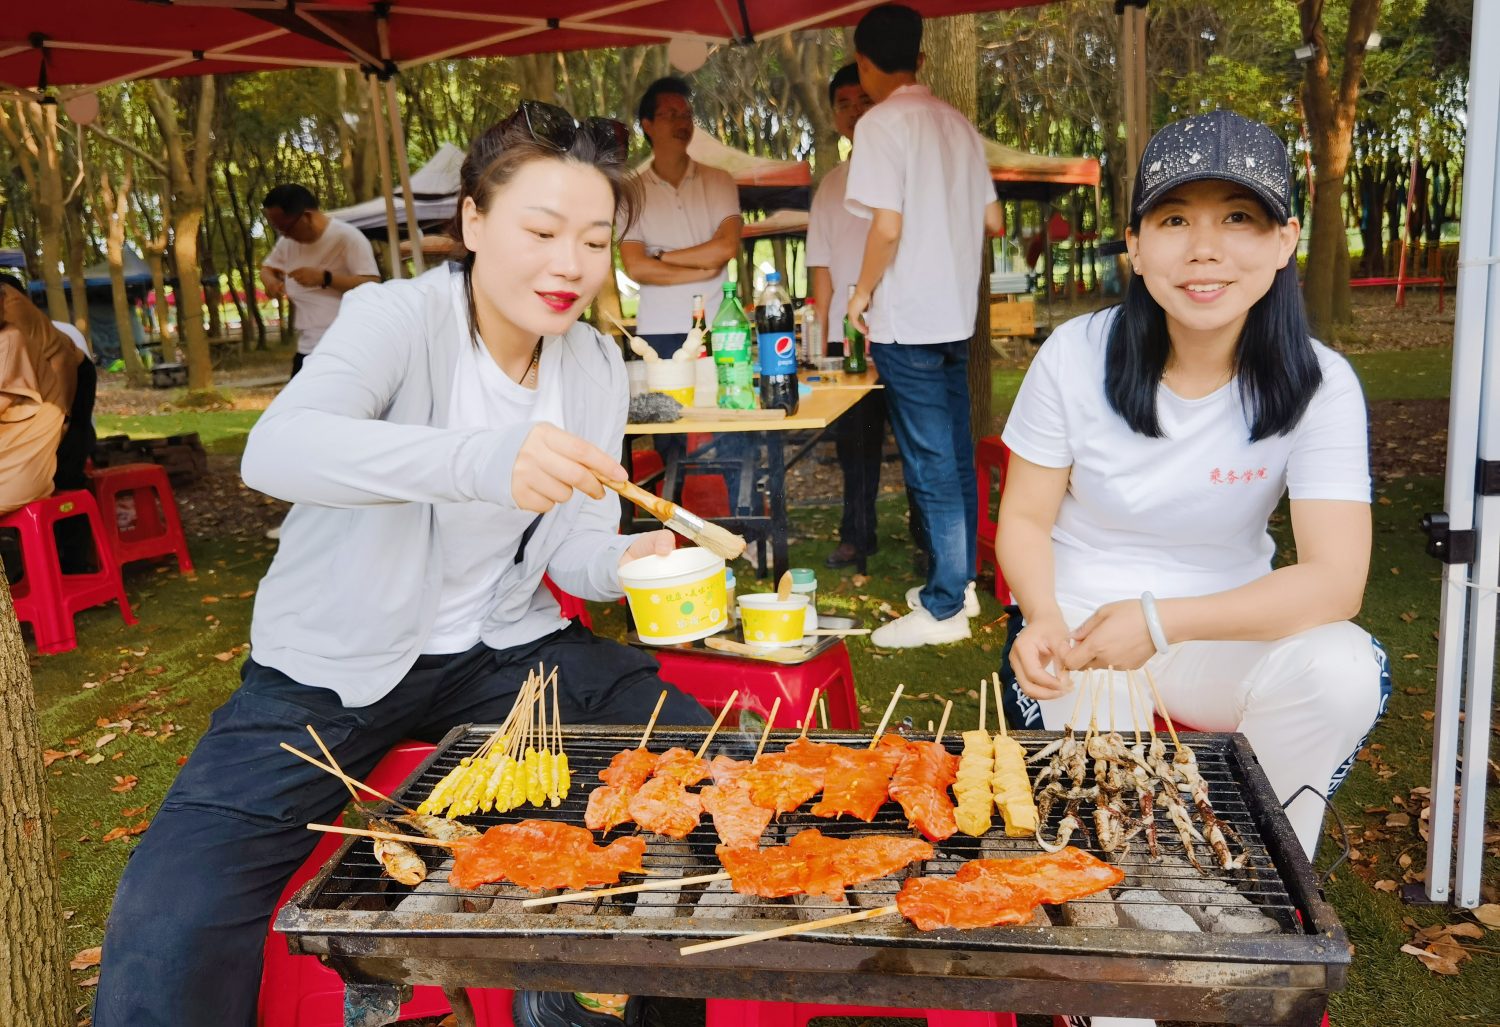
719 541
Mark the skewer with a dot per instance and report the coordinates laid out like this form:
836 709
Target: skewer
766 732
984 691
823 710
780 932
930 729
811 708
1146 708
999 707
652 722
1110 681
625 889
1073 717
1135 716
895 698
943 724
345 778
332 762
383 836
1163 707
728 705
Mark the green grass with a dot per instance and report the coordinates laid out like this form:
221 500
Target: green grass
1405 374
221 431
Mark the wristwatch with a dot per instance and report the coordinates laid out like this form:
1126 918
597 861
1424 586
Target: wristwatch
327 278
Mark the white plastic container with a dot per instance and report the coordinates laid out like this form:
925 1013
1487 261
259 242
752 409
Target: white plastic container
705 382
676 598
675 378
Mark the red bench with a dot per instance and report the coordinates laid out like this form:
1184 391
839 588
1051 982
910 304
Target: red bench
1401 284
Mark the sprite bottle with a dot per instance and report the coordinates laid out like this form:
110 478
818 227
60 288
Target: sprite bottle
854 345
731 346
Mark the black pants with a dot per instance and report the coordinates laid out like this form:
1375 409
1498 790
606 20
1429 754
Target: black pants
75 544
859 440
297 364
188 925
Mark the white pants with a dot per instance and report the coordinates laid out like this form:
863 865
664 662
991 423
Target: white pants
1303 702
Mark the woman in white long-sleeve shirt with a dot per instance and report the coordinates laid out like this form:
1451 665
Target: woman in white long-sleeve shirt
440 447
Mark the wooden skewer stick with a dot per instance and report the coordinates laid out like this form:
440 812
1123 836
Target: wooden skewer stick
840 632
625 889
766 733
823 711
1145 707
728 705
780 932
891 708
999 707
338 770
1163 707
943 724
1110 683
1135 716
352 782
384 836
1073 717
812 708
984 692
652 722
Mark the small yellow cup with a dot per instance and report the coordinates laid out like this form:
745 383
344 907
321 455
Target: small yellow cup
676 598
770 621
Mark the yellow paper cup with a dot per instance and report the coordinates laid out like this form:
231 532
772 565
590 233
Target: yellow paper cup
676 598
770 621
674 378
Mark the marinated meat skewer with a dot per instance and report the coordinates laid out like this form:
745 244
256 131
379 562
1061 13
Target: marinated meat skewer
814 864
738 821
857 781
543 854
920 784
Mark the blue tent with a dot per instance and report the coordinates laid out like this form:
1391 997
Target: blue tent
103 334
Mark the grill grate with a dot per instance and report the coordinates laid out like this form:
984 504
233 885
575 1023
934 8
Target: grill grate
1255 894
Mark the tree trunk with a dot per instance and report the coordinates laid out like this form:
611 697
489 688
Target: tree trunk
1329 110
952 72
34 985
116 203
30 129
187 180
78 289
248 273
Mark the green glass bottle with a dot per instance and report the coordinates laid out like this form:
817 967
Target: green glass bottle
854 345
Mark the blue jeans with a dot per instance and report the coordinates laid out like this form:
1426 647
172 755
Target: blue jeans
188 925
927 398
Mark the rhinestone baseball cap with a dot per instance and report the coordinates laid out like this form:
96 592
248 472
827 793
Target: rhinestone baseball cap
1220 144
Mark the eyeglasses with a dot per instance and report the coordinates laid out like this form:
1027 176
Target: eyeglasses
284 225
548 123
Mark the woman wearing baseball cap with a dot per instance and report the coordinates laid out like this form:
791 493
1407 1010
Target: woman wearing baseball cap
1151 443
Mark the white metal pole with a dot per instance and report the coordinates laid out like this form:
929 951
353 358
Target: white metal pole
403 166
1476 333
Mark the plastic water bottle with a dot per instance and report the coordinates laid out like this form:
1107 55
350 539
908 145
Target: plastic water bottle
813 349
776 337
731 346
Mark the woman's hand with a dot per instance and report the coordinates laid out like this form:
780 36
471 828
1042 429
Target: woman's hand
651 543
1041 642
1115 636
551 464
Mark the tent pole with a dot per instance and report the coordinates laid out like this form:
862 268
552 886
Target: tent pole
392 234
1133 72
1470 536
403 166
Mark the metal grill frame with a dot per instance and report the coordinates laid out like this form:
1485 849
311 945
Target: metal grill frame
1282 978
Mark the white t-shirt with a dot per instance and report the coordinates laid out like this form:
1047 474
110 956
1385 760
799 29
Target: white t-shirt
918 156
72 332
836 240
676 219
1186 514
340 249
479 539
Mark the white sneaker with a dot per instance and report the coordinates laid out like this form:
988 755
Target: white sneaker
921 628
274 534
971 599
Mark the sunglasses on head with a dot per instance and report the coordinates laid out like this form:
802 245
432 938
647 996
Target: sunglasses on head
547 123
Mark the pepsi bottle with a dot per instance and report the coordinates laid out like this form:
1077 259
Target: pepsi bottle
776 338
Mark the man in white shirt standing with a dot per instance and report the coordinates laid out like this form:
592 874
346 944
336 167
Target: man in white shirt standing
919 175
316 260
835 247
688 228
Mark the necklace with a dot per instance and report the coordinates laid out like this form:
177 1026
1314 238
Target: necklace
529 378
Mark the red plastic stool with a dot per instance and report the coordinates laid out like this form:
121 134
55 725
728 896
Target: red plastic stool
643 464
710 680
299 991
738 1013
991 459
571 607
157 531
45 597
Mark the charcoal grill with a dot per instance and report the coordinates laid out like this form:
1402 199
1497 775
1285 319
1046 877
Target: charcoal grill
1138 950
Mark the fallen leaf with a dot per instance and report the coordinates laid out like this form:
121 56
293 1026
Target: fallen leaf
1466 931
85 958
133 811
98 757
117 833
51 756
210 599
89 982
225 657
1489 915
124 784
104 740
1386 886
1398 820
1427 715
181 761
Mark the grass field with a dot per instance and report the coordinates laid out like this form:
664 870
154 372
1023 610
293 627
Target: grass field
166 675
